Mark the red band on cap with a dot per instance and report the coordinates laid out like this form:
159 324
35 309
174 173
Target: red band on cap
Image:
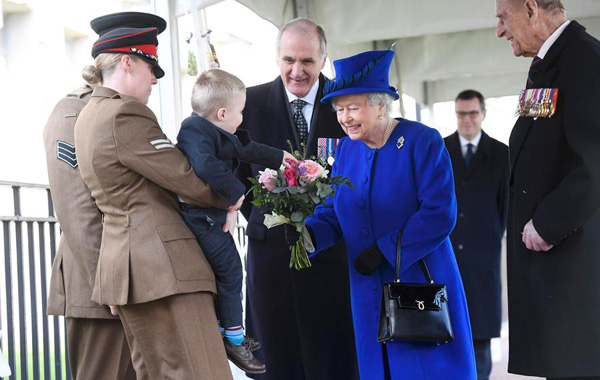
127 36
148 49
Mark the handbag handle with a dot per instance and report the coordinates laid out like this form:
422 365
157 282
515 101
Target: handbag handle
399 254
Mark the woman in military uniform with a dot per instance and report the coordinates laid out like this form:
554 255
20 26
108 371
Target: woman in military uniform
151 270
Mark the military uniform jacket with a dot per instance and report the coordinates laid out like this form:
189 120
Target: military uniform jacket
133 170
215 154
554 297
482 200
74 267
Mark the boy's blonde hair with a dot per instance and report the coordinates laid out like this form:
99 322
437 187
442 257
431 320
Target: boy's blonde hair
213 90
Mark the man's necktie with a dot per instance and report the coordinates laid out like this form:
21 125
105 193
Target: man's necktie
300 121
469 154
533 69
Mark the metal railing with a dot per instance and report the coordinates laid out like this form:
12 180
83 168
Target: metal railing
34 342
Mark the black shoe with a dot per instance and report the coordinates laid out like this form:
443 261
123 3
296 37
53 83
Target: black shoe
243 358
251 343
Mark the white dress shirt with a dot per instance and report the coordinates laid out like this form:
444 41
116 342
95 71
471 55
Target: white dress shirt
309 98
552 39
464 142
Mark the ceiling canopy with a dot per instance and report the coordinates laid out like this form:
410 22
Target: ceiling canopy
443 46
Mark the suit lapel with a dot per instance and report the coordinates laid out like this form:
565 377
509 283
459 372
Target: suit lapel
461 171
458 161
278 118
483 151
570 32
548 73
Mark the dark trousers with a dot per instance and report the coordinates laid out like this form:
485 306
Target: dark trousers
483 358
224 259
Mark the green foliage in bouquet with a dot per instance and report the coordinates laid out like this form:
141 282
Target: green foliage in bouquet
291 195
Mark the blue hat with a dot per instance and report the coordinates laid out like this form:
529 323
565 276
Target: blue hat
359 74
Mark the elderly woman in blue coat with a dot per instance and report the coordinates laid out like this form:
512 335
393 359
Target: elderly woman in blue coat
403 181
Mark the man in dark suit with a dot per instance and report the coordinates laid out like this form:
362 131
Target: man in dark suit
480 166
554 218
302 318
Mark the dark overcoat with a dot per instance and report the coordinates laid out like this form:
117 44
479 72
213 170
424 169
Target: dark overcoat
302 318
554 296
482 200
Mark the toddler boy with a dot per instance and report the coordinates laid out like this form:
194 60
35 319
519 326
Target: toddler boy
210 140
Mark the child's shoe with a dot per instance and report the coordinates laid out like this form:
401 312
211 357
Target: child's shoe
241 355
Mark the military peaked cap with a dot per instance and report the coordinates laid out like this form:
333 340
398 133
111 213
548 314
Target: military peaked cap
140 42
106 23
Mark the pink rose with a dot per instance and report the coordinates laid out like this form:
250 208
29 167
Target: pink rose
290 176
268 179
310 170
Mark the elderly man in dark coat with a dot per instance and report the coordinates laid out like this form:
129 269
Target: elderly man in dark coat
302 318
554 218
480 166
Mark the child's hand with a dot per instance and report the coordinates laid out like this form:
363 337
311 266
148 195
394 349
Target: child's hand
237 204
230 221
287 156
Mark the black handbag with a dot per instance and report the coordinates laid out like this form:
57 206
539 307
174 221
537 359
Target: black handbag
412 311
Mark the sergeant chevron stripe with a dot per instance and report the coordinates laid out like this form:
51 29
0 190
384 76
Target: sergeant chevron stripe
66 153
162 144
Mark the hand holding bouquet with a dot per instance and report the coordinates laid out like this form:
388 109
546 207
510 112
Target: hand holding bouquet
290 195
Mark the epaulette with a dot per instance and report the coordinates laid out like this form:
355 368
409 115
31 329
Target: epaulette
80 92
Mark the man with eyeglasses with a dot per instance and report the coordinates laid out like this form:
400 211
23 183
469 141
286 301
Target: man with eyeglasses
480 165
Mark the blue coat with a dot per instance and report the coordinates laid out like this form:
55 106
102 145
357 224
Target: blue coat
411 189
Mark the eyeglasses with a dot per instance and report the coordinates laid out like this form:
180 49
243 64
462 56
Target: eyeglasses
471 114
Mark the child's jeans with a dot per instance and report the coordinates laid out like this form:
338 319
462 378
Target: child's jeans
222 255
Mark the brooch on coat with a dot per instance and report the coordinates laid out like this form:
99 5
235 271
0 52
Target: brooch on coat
537 102
400 142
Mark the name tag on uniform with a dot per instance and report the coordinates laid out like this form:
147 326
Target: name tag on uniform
326 149
537 102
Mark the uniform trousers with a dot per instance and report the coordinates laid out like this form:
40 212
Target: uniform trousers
98 349
176 337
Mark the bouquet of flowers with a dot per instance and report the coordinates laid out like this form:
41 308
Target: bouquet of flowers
290 195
